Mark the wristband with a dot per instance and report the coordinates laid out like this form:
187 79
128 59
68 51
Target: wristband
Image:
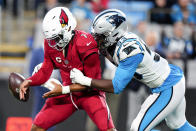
65 89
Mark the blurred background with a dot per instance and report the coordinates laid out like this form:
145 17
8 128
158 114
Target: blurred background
167 26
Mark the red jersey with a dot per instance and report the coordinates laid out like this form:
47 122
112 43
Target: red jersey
80 53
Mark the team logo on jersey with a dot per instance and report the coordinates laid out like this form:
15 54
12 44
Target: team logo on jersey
58 59
128 49
63 18
88 43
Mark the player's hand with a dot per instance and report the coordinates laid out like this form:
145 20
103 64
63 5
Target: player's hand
55 92
77 76
23 88
36 69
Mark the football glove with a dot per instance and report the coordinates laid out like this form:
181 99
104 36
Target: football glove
77 76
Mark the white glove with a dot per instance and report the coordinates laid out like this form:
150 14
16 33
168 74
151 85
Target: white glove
77 76
36 69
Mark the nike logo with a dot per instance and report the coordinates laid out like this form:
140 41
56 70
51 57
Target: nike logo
88 43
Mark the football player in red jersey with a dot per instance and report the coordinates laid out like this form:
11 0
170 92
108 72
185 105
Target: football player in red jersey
66 48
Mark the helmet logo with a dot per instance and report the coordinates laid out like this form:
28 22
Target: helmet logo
116 20
63 18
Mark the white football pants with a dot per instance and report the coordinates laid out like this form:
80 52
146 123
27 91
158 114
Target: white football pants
169 104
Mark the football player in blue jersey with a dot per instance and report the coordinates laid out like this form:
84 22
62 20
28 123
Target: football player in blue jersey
134 59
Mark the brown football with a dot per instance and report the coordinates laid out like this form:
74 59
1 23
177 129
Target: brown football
15 79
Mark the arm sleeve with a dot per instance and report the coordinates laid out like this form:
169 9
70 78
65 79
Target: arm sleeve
44 73
92 67
125 72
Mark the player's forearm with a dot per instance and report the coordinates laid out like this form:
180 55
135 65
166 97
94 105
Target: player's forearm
40 78
77 87
78 77
104 85
42 74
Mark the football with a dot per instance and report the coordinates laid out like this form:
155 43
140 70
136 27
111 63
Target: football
15 79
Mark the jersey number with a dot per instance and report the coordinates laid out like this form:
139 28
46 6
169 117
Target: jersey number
156 56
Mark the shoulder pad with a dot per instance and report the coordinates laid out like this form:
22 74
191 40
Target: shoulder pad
85 44
85 41
129 50
130 46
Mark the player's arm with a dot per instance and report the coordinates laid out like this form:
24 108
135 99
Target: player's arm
40 77
46 69
123 76
43 73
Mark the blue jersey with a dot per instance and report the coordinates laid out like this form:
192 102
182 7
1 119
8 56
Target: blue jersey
135 59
